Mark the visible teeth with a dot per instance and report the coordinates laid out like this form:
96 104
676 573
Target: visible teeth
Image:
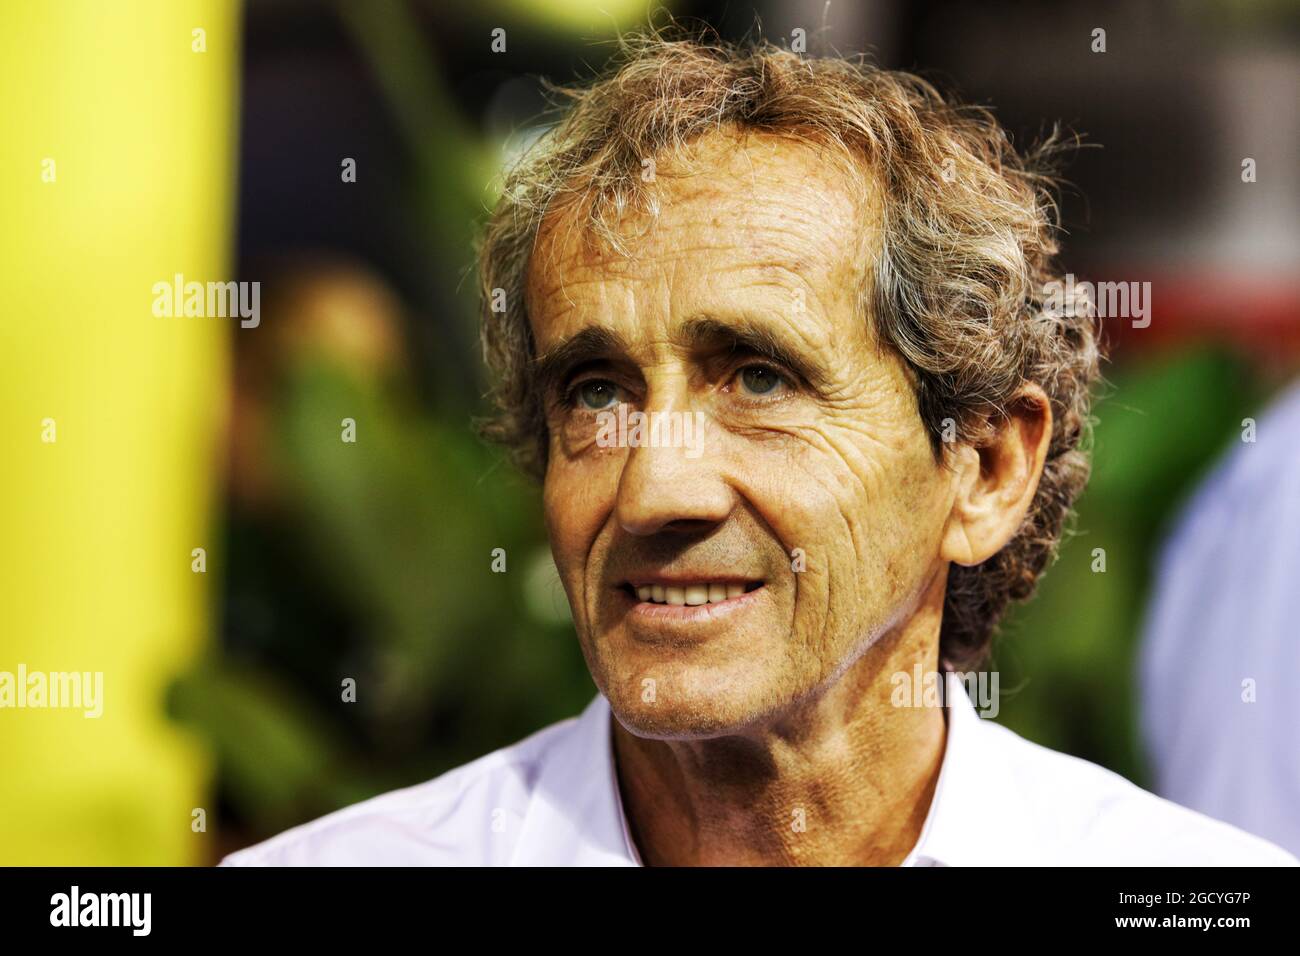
692 595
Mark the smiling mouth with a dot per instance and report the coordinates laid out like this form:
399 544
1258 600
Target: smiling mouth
693 594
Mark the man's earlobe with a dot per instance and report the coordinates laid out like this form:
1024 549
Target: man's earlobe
995 483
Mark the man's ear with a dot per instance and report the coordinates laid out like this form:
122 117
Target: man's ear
996 481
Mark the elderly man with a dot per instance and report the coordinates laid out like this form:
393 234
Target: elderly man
812 295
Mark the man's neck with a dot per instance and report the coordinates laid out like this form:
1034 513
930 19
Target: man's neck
844 779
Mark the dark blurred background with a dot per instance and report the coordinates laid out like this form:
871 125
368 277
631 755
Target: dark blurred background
374 561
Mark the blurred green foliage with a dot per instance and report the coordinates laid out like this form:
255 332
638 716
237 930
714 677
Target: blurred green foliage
379 570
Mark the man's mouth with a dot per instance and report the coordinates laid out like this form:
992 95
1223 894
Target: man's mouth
691 607
690 593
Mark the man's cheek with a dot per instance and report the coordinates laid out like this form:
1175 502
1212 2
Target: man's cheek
563 522
906 530
851 532
575 502
805 515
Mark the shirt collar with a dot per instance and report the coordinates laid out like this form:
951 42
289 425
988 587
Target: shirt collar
575 817
977 816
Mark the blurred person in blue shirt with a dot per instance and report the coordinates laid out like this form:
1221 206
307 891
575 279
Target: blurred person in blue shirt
1220 656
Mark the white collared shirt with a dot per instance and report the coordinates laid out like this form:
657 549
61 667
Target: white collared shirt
553 800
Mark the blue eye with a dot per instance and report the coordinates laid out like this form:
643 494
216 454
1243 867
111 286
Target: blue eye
596 394
759 379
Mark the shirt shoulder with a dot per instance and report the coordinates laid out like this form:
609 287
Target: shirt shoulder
467 816
1090 816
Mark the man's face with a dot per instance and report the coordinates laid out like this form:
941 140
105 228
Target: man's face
807 516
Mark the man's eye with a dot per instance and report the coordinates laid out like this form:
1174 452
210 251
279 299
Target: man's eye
596 394
760 380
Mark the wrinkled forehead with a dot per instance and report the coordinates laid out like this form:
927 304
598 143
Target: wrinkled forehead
761 205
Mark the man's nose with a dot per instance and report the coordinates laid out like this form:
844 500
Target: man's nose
672 488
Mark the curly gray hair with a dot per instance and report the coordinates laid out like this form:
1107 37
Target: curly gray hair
958 287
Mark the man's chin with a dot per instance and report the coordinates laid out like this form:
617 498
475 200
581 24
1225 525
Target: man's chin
692 691
687 709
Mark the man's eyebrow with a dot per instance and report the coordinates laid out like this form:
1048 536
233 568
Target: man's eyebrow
757 338
592 343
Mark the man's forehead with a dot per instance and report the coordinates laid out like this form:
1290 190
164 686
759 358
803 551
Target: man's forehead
767 204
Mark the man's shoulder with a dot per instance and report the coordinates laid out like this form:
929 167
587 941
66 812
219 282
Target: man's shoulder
465 816
1088 815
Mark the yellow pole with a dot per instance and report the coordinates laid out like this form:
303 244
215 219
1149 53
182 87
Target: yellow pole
117 148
